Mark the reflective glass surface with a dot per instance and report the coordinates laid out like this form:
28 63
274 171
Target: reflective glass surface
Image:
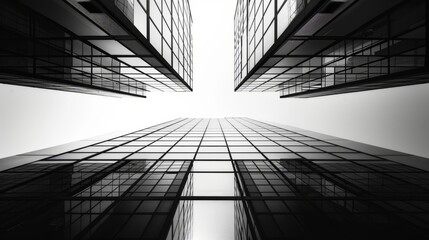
233 178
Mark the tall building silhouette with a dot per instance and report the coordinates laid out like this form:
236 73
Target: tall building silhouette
98 47
303 48
287 183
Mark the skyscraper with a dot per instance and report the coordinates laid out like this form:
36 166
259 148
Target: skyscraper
286 183
99 47
303 48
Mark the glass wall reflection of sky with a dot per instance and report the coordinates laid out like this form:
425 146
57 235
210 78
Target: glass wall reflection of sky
233 178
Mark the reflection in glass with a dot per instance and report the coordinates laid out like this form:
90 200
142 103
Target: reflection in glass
301 186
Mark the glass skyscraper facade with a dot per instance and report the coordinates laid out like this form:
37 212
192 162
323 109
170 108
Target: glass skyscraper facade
99 47
286 183
306 48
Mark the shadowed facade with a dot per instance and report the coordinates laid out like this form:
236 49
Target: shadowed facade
285 183
114 47
303 48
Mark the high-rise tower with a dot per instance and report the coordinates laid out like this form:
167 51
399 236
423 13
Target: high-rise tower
306 48
93 46
282 183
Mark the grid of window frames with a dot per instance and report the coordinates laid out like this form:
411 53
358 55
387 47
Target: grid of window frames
258 24
384 50
167 25
99 55
284 184
170 33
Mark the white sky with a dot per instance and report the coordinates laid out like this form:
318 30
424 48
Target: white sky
214 96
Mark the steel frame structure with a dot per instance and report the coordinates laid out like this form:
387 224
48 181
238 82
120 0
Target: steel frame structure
287 184
113 47
329 47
